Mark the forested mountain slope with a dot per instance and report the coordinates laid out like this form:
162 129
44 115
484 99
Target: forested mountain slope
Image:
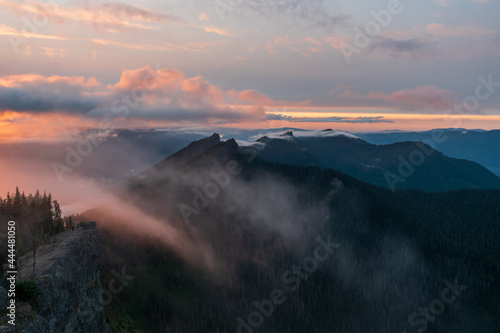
386 256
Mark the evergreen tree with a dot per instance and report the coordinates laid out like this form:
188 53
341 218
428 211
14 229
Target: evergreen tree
58 221
8 204
16 206
68 223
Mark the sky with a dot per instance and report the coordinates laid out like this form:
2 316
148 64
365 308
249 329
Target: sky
69 65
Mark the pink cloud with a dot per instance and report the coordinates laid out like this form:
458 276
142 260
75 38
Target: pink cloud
254 97
10 31
302 46
336 41
113 17
54 81
218 31
278 42
166 77
163 46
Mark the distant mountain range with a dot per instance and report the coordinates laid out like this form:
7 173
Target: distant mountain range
126 153
479 146
397 166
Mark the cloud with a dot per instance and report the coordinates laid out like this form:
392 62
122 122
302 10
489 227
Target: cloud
306 46
352 120
113 17
203 16
163 46
218 31
413 49
298 13
336 41
144 93
174 92
55 81
252 97
278 42
139 47
464 31
10 31
36 93
427 97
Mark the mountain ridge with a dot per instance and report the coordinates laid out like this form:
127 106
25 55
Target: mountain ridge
381 165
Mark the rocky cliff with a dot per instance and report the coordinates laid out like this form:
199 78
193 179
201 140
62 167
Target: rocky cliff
68 276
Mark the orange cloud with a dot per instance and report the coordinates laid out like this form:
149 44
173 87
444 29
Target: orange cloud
164 46
37 79
218 31
16 126
140 47
302 46
203 16
9 31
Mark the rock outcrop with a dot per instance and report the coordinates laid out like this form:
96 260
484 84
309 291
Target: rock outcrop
68 276
4 298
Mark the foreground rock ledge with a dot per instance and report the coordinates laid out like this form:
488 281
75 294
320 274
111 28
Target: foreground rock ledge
68 275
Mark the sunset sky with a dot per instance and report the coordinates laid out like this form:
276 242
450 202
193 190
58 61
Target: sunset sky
67 65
